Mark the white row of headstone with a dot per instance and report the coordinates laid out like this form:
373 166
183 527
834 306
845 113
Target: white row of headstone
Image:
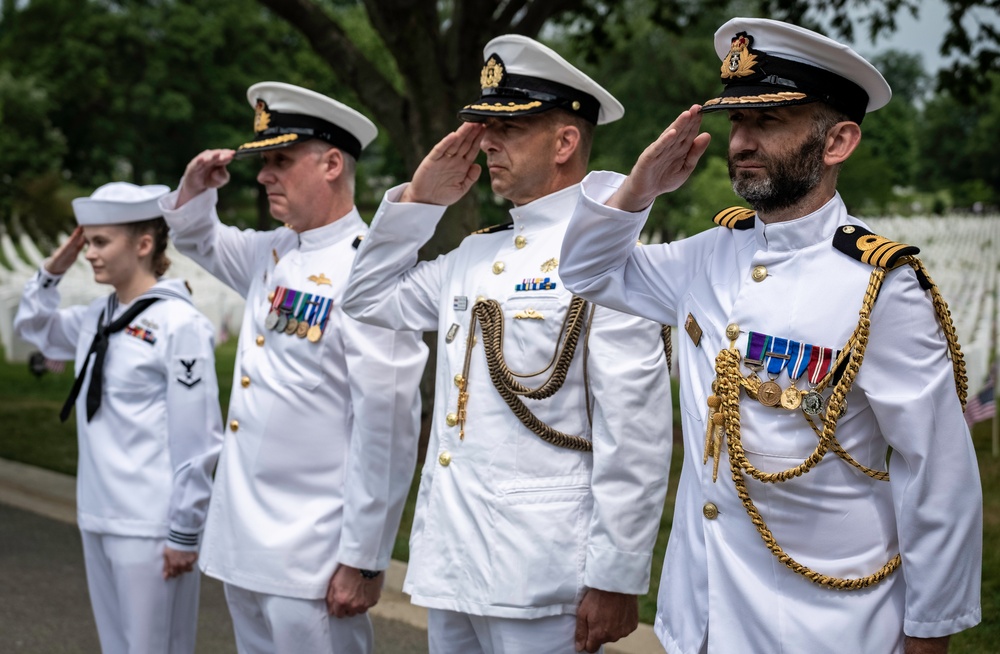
221 304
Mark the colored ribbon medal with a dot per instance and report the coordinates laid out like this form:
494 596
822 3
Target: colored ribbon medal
798 361
819 364
316 330
309 310
285 309
272 316
757 345
769 393
298 311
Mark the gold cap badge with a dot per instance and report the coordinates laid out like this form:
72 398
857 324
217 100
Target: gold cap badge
740 61
261 118
492 73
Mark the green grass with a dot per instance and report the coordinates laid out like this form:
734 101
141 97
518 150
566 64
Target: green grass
31 433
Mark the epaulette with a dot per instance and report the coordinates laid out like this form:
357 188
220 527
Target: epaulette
735 218
872 249
357 241
493 229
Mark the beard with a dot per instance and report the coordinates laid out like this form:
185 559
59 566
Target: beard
787 180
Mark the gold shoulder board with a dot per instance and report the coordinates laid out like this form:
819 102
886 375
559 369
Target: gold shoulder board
735 218
878 251
492 229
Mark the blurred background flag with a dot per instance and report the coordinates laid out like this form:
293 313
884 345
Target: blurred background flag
982 405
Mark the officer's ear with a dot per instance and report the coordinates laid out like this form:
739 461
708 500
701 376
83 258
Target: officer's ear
333 164
567 142
841 141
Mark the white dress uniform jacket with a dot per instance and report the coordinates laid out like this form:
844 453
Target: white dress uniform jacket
147 456
719 581
321 439
508 525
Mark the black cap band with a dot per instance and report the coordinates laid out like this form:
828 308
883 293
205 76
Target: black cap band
306 127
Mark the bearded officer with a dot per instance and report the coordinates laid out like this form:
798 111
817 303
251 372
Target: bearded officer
324 415
547 464
794 531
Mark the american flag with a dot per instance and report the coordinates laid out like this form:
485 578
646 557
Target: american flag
982 405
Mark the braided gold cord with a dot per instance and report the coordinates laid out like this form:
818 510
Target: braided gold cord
668 346
729 381
944 318
836 448
490 317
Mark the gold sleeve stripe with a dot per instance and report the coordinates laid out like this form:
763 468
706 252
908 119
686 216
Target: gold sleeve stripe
510 106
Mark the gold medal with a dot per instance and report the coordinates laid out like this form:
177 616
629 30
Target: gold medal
791 398
302 329
752 386
292 325
314 333
769 393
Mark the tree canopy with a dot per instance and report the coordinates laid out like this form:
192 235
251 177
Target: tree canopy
97 90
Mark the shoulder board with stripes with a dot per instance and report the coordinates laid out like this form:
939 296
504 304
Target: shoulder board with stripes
735 218
357 241
867 247
492 229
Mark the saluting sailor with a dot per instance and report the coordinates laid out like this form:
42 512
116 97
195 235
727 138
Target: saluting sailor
323 421
547 464
147 416
812 347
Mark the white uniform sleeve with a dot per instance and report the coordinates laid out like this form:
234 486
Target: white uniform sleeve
384 371
908 381
226 252
194 428
600 260
40 322
387 287
632 437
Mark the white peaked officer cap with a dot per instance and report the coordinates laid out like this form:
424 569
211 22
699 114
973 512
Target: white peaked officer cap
118 203
521 76
285 114
767 63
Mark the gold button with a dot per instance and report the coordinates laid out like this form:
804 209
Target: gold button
498 267
270 296
732 331
848 229
710 510
234 425
245 381
444 458
520 241
576 105
459 380
759 273
480 298
451 419
260 339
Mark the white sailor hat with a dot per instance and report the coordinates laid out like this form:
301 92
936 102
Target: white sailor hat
118 203
285 114
521 76
767 63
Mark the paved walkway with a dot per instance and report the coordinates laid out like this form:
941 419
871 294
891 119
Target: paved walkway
44 607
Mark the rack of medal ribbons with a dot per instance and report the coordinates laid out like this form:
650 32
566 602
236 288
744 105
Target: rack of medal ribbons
805 363
297 313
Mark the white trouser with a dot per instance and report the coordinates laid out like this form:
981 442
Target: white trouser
449 632
274 624
136 610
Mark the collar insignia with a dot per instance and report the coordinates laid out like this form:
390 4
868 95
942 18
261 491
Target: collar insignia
261 117
492 73
320 279
740 61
